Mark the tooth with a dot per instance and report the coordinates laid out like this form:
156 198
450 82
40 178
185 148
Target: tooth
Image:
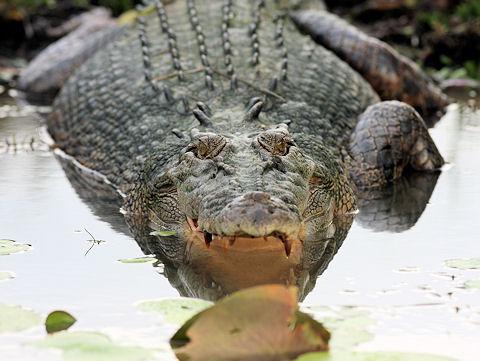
193 224
265 238
231 240
224 245
208 239
287 244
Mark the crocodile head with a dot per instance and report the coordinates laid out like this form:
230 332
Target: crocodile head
253 183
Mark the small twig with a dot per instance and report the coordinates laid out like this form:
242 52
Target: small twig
94 241
263 90
175 74
197 70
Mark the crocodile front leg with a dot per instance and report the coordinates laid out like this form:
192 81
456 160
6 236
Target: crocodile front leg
389 137
392 75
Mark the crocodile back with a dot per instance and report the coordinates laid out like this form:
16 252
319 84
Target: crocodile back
133 100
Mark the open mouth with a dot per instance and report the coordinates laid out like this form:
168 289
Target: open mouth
230 239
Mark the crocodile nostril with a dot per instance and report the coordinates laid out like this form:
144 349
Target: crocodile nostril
257 196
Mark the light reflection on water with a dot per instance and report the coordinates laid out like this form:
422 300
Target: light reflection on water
383 269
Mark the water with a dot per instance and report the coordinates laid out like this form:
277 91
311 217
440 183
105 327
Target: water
400 278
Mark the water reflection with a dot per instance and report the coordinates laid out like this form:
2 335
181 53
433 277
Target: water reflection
211 273
397 206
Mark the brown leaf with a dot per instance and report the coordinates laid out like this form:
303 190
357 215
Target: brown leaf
258 323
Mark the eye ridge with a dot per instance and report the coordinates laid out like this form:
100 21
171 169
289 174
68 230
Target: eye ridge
276 143
207 146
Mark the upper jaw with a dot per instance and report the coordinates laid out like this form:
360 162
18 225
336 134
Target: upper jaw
197 232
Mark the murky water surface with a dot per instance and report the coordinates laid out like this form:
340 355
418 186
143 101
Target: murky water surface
400 279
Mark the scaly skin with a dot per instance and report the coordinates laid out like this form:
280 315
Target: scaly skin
186 114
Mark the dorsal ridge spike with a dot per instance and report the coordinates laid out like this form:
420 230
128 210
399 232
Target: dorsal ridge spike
254 111
273 84
168 95
202 118
204 108
252 102
178 133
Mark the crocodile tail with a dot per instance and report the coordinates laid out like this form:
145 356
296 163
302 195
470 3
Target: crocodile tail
392 75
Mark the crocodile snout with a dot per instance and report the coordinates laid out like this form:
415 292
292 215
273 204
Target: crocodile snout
255 214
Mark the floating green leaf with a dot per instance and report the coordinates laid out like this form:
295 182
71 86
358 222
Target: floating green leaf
92 346
15 318
7 246
175 310
59 321
463 263
260 323
5 275
347 326
138 260
163 233
370 356
472 284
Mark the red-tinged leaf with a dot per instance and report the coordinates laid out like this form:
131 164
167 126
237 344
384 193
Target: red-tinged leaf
258 323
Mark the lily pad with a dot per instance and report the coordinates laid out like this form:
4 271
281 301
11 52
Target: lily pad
16 318
370 356
7 246
463 263
5 275
347 326
260 323
137 260
163 233
472 284
92 346
59 321
175 310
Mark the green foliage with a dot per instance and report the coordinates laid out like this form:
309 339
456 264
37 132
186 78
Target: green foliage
16 318
137 260
177 310
93 346
470 69
436 21
468 10
472 284
59 321
464 263
117 6
370 356
163 233
7 246
32 6
5 275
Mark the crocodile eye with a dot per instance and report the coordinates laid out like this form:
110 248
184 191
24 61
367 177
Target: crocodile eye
207 146
277 143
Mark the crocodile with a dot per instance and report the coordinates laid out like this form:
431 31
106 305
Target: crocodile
238 121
